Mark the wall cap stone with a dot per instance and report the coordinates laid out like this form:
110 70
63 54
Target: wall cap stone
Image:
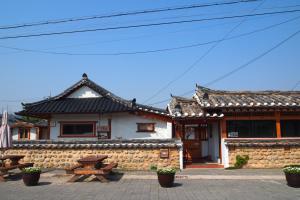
100 144
257 142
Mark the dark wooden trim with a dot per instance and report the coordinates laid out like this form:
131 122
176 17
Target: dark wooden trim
109 125
49 128
61 135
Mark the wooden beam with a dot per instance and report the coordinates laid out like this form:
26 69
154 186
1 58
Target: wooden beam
278 128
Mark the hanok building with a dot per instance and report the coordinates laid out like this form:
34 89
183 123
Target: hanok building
24 130
215 126
88 111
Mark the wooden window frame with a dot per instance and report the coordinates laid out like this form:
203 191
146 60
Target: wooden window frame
145 131
19 134
61 135
281 128
273 120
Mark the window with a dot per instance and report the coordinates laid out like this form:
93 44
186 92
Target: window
77 129
145 127
191 132
196 132
251 128
24 133
290 128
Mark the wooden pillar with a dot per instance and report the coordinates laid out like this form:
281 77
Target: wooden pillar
49 129
223 129
37 131
109 127
278 128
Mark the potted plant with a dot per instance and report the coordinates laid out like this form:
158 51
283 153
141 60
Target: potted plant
166 176
292 175
31 175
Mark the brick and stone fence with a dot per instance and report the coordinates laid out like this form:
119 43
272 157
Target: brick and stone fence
129 154
265 153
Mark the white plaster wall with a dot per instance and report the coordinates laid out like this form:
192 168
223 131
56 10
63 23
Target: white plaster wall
33 134
225 154
123 126
211 146
15 133
84 92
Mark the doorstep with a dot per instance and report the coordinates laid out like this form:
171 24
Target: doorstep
204 166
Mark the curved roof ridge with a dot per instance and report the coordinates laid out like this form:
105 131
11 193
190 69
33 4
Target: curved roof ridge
241 92
85 81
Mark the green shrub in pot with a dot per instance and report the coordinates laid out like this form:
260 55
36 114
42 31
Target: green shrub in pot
166 171
31 175
32 170
292 174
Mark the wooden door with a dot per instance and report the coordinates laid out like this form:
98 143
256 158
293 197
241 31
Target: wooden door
192 139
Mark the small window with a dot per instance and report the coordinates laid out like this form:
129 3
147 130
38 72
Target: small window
78 129
145 127
24 133
290 128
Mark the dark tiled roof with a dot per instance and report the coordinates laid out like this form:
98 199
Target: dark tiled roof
76 105
219 98
107 103
183 107
211 103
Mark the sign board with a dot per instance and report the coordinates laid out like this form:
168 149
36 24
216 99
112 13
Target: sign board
103 129
52 123
164 153
233 134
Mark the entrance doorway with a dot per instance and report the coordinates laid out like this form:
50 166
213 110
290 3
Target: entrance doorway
201 143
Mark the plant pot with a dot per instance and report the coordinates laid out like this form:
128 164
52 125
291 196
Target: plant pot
166 180
31 179
293 180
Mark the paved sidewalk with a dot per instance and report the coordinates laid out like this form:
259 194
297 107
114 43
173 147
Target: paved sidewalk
54 186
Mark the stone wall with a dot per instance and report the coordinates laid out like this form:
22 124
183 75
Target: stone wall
272 153
129 155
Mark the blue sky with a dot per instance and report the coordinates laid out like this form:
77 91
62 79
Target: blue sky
27 76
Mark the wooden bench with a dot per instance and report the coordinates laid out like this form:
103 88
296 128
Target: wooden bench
108 167
99 173
4 170
70 170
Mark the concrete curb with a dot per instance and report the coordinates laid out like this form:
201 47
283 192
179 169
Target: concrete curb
209 177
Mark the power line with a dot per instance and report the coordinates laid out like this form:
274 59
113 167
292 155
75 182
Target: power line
194 64
147 25
244 65
59 21
296 85
154 50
